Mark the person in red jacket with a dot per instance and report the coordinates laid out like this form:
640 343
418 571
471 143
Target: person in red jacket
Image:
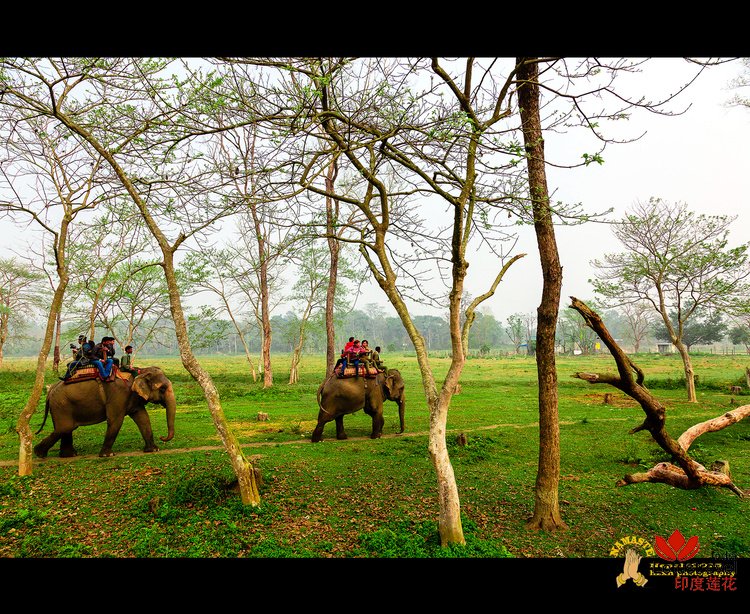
344 356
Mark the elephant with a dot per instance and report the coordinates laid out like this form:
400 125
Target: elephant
340 396
92 401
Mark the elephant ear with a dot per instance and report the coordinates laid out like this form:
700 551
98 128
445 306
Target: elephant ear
390 382
142 386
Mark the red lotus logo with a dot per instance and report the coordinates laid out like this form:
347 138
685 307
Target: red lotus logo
676 548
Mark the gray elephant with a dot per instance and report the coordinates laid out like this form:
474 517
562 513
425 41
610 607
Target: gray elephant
340 396
92 401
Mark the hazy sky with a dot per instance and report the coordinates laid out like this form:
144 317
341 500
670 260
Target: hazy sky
701 158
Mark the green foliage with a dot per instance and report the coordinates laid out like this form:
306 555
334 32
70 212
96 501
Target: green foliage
374 498
730 547
408 539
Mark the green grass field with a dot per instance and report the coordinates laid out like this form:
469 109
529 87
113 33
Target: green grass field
375 498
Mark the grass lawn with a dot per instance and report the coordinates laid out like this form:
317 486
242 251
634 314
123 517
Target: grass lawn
375 498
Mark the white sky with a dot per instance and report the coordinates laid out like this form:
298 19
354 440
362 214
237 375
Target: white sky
701 158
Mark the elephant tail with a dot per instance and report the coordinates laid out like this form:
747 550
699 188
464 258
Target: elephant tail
320 393
46 413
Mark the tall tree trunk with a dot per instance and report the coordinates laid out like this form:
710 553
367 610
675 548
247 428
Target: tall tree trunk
689 373
58 333
546 504
25 456
333 248
242 468
265 316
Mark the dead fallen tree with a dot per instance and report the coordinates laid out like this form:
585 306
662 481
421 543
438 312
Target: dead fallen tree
684 472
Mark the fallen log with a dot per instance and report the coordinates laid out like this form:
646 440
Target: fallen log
686 473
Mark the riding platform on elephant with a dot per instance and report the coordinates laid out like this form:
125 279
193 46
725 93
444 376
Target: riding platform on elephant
361 371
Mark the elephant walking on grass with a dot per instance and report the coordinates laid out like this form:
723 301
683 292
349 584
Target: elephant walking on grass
92 401
340 396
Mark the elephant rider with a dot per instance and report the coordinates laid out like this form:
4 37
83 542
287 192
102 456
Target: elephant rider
344 356
126 362
375 359
81 356
103 354
365 354
353 356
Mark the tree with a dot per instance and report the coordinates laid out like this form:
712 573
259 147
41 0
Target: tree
145 127
546 514
51 181
309 291
740 335
638 318
573 332
395 138
216 270
19 295
696 330
676 261
515 330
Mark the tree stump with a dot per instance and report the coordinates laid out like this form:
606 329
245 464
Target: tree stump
461 440
607 398
262 416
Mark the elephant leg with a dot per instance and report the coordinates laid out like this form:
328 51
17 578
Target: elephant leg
45 444
113 428
340 432
377 425
144 426
323 419
377 421
66 445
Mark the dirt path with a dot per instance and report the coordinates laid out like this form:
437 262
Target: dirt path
11 463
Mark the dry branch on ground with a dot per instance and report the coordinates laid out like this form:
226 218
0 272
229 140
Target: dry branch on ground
686 473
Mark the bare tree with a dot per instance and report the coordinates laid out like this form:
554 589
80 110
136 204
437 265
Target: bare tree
216 271
515 331
396 140
639 319
147 127
678 262
47 181
19 295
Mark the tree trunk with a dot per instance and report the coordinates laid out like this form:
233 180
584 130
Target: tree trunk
546 504
333 248
242 468
58 333
689 373
25 455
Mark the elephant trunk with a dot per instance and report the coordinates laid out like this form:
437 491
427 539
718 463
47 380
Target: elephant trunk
401 408
170 405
